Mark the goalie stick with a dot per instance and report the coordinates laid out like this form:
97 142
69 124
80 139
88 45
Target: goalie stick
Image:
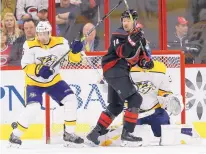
89 32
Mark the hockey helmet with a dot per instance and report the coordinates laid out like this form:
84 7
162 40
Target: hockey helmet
43 26
125 14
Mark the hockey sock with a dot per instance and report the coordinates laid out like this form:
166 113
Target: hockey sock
70 112
130 120
19 130
105 120
70 126
29 114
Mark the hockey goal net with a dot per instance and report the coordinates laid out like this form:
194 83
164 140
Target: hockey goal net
85 80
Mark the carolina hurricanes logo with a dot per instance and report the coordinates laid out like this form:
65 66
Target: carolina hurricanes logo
31 10
4 60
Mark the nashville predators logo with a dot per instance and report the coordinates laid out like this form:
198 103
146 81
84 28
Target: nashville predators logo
145 87
47 60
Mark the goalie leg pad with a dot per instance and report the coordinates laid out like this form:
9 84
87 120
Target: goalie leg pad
160 117
179 134
113 137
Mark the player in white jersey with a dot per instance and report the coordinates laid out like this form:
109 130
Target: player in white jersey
154 86
39 55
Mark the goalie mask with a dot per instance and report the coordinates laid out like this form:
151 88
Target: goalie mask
43 31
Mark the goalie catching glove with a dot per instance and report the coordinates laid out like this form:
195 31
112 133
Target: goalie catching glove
172 103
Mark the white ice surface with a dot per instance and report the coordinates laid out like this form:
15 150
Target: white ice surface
39 147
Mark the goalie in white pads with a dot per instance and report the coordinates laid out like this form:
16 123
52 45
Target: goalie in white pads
39 55
154 87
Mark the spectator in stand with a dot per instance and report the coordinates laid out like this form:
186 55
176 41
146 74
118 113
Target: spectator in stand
197 39
26 9
179 40
89 13
196 7
65 17
8 6
17 48
10 27
42 13
92 41
5 49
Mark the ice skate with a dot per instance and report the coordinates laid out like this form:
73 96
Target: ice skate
128 139
93 137
14 141
72 140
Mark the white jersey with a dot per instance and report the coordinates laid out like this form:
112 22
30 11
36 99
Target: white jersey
151 83
30 7
37 53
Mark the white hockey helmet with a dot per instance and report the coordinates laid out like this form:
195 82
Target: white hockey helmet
43 26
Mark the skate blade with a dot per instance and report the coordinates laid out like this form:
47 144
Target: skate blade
131 144
13 145
73 145
90 143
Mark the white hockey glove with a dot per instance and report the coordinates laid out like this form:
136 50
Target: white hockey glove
172 103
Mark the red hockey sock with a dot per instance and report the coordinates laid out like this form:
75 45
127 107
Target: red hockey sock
105 120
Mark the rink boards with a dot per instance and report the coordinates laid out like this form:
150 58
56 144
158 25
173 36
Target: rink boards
92 99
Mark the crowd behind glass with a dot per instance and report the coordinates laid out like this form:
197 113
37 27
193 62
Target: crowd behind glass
186 25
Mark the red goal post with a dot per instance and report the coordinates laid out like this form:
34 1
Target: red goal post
173 59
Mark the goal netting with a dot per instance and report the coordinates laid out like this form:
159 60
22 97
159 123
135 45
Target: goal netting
85 80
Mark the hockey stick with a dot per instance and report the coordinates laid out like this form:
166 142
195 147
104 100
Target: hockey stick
88 33
131 18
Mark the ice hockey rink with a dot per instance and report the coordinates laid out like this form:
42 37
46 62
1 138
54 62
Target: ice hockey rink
38 147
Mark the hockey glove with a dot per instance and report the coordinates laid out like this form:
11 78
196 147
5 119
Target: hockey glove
76 46
145 61
146 64
43 71
135 36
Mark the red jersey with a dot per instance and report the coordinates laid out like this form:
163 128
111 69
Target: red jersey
4 56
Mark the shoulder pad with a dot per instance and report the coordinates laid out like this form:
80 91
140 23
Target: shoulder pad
56 41
33 43
120 31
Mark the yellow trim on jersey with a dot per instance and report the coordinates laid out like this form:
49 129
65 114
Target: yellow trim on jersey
30 69
54 41
163 92
70 123
32 82
159 67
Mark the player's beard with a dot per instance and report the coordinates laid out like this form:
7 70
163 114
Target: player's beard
126 28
